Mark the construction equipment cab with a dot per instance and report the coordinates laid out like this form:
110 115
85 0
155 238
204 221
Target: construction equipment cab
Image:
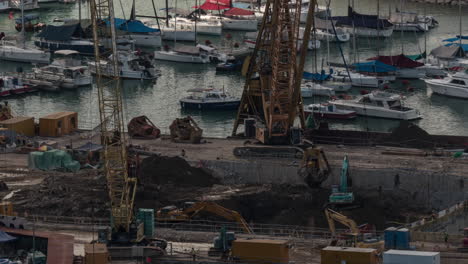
314 167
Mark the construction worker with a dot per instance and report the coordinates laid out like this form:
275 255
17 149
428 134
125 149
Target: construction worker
194 254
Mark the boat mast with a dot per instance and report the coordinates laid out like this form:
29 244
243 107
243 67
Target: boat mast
79 11
425 33
167 13
354 36
23 36
378 29
175 24
459 14
401 26
196 4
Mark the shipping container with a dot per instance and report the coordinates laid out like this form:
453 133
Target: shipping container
389 237
96 254
23 125
261 250
58 124
348 255
410 257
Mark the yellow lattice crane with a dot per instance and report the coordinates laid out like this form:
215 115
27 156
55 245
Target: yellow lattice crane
272 89
121 186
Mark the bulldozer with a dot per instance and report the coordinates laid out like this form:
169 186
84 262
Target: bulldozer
314 168
185 130
354 238
190 209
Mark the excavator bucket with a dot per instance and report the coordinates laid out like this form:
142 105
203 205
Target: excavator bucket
142 127
314 167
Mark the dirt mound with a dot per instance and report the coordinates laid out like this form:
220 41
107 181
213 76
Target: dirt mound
174 170
411 135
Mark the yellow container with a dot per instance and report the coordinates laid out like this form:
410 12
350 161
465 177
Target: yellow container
261 250
348 255
23 125
58 124
96 254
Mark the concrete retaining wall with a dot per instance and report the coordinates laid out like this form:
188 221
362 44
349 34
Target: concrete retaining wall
425 188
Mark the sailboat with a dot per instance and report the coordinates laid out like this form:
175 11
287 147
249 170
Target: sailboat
12 52
364 25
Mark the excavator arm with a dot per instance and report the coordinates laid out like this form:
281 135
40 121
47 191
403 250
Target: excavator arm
333 216
217 209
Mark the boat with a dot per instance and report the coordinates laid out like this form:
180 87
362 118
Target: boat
408 21
358 79
5 6
203 27
27 4
67 70
449 55
454 85
209 99
132 65
232 64
31 23
322 34
171 30
135 30
379 104
410 69
363 25
65 37
14 85
47 82
183 53
46 1
12 51
239 19
311 89
328 111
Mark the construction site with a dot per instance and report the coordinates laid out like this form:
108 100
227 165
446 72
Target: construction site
274 192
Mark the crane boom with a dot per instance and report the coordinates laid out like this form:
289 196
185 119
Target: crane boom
121 187
272 89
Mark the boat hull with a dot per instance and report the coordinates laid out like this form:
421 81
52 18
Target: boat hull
240 24
230 105
327 115
176 57
375 111
410 27
368 32
24 55
178 35
438 87
146 40
420 72
82 48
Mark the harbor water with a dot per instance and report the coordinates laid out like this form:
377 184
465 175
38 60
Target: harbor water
160 100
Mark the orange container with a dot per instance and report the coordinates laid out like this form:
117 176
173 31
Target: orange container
58 124
261 250
23 125
348 255
96 254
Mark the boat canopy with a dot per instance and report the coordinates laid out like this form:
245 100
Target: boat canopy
457 38
187 49
324 23
360 20
238 12
61 33
403 17
448 52
400 61
417 56
4 237
215 5
316 76
241 5
132 26
27 18
463 46
374 66
66 52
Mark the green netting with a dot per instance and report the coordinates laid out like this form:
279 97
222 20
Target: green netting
52 160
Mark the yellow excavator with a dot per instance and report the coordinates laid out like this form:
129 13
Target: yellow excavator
354 238
174 214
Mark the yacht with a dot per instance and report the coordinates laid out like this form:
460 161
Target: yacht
132 65
329 111
322 34
209 99
135 30
455 85
172 30
379 104
359 79
187 54
244 23
203 27
311 89
11 51
12 85
67 70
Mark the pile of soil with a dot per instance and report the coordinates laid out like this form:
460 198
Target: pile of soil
174 170
411 135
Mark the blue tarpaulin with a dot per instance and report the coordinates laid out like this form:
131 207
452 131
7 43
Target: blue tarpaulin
463 46
457 38
374 66
132 26
4 237
315 76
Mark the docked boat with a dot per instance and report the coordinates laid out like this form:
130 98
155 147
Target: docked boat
410 69
203 27
358 79
171 30
341 36
67 70
229 66
135 30
132 65
379 104
242 23
27 4
209 99
408 21
311 89
13 85
65 37
4 5
182 53
364 25
455 85
328 111
31 23
449 55
12 51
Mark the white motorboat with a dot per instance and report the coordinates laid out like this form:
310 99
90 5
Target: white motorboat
379 104
311 89
359 79
204 27
132 65
186 54
173 31
406 21
67 70
322 34
455 85
28 4
244 23
13 52
209 99
329 111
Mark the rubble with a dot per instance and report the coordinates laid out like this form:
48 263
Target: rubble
3 186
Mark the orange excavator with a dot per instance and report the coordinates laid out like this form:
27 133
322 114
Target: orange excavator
173 214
